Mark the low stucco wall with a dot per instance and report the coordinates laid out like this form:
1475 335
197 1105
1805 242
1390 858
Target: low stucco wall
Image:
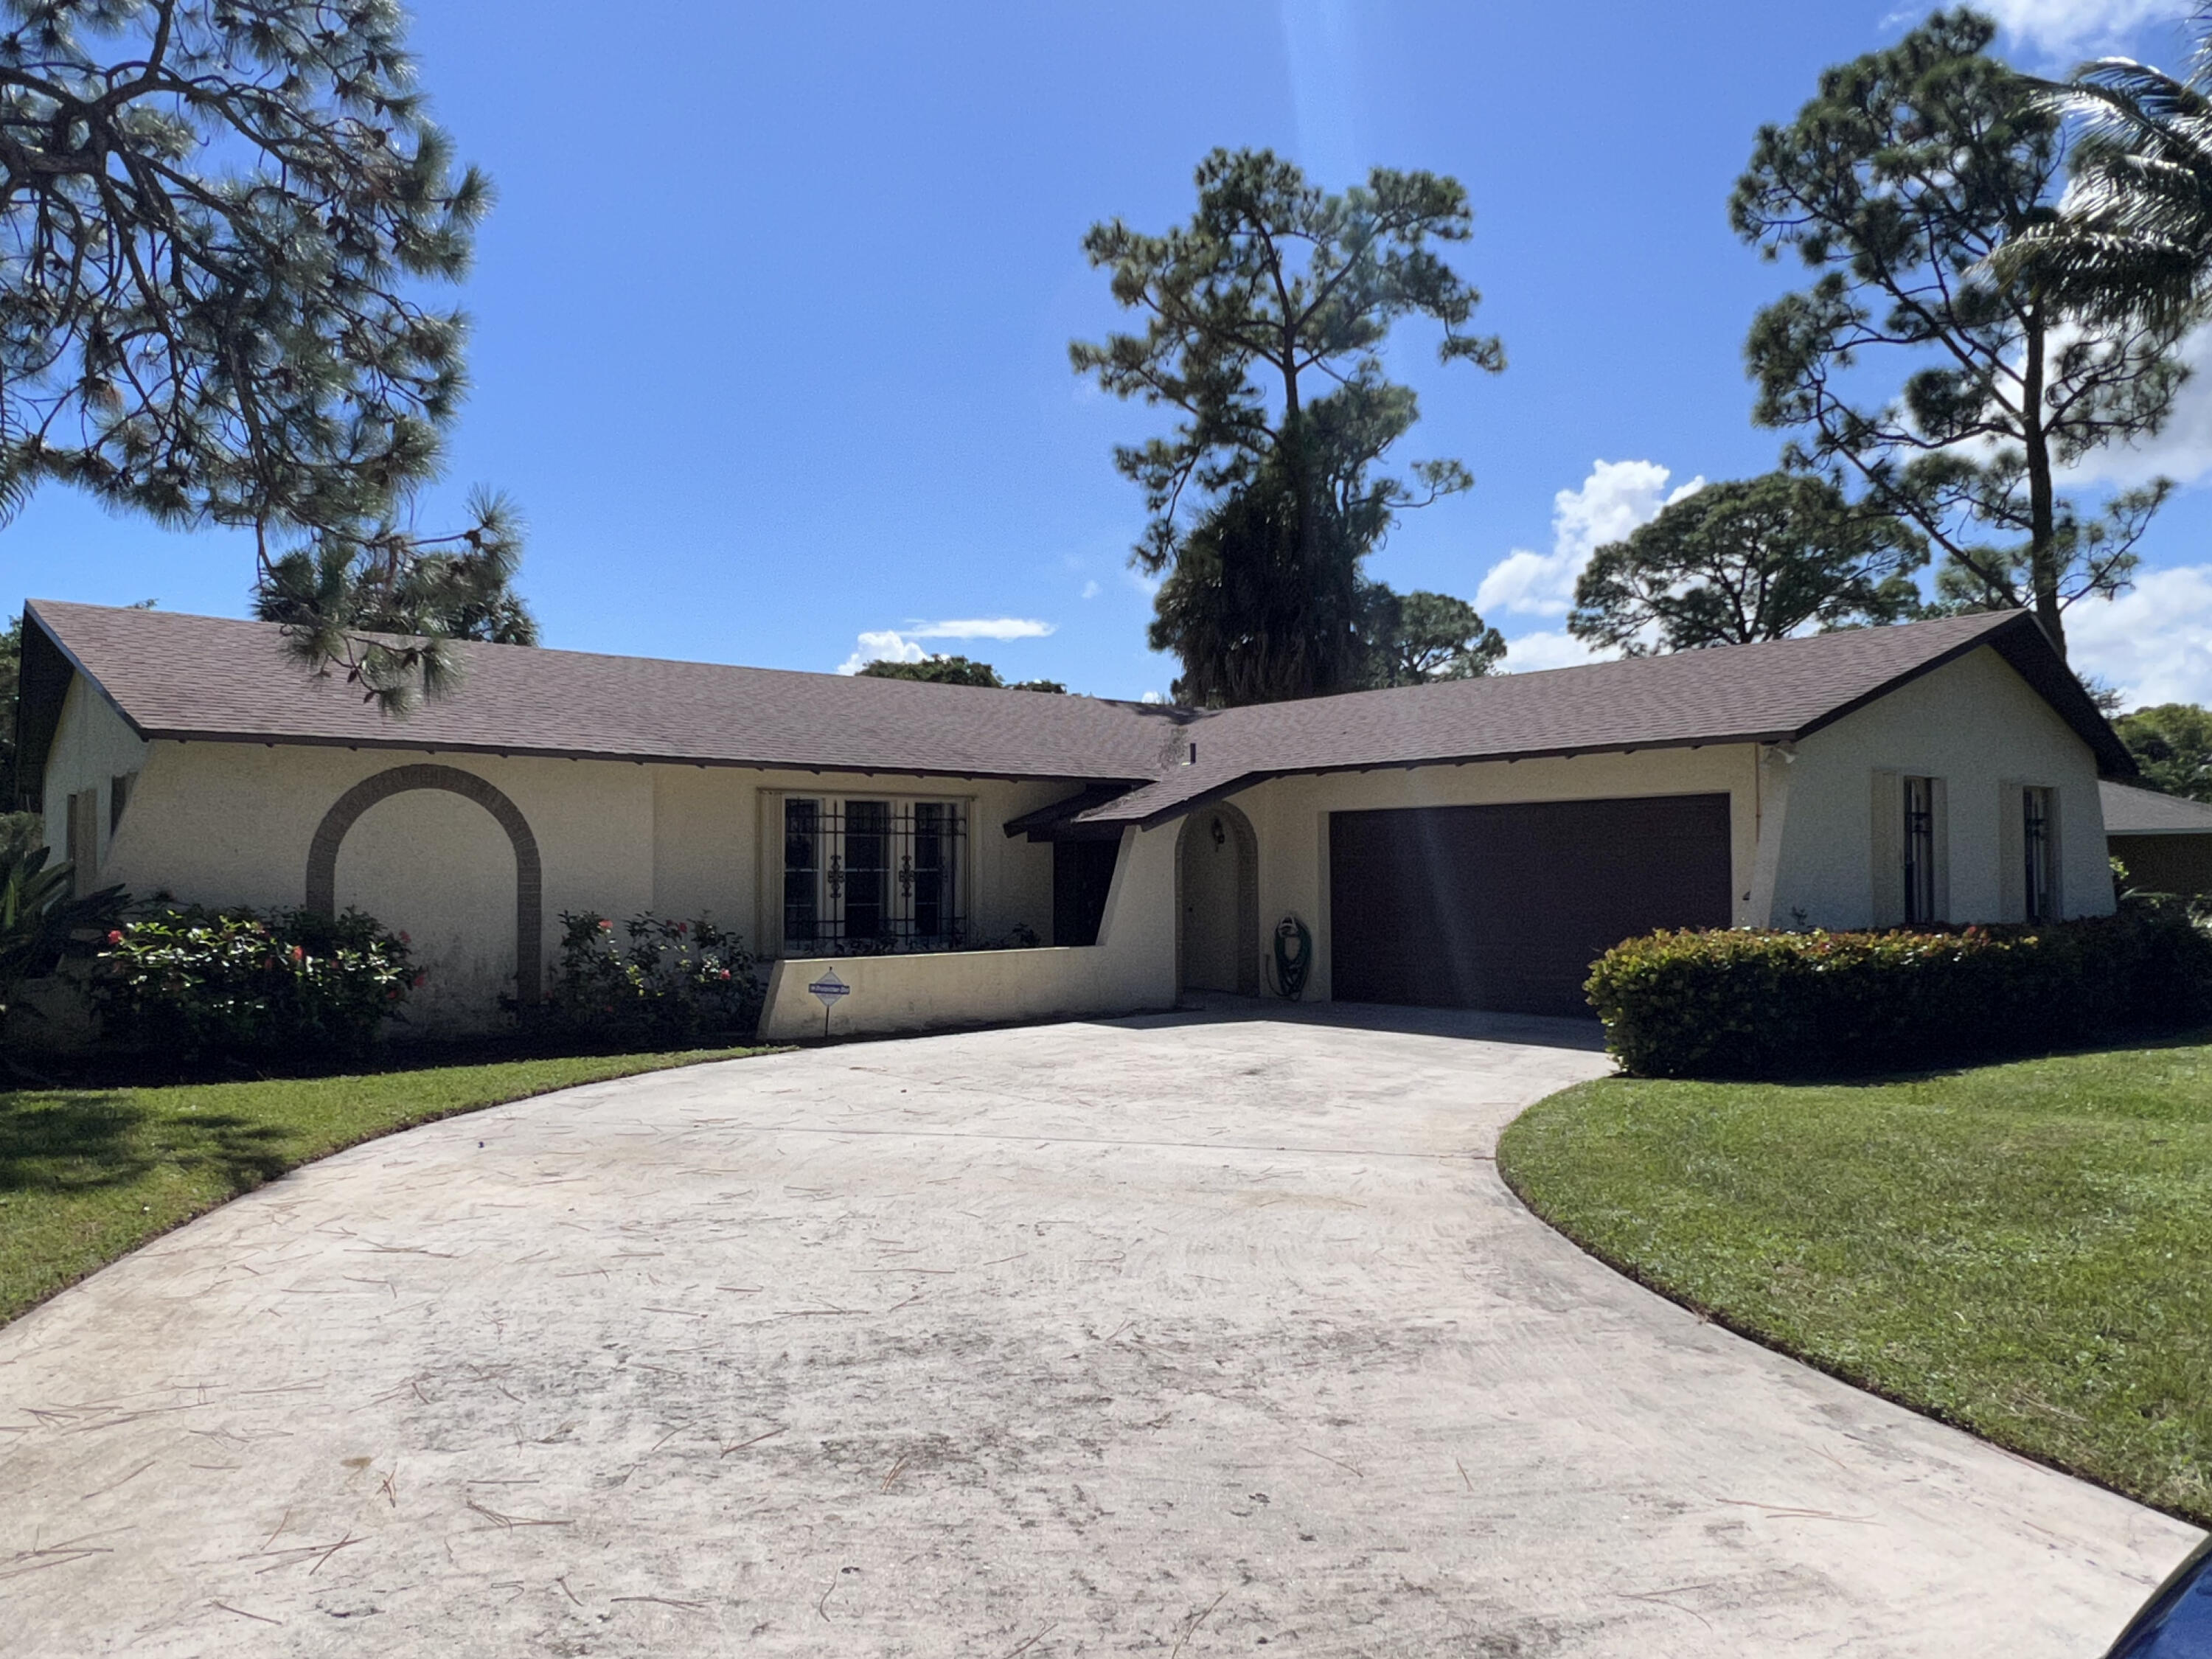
1131 970
932 990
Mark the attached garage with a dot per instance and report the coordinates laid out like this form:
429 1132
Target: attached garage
1506 906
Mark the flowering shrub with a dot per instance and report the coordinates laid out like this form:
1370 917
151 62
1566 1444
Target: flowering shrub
196 982
1747 1004
672 983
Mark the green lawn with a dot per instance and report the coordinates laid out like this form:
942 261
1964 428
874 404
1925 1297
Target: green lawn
2025 1250
88 1175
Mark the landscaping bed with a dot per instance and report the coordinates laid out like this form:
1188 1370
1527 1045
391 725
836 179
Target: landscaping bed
88 1175
2024 1251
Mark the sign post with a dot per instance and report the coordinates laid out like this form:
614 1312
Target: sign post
829 988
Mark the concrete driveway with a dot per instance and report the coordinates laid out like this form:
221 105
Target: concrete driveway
1183 1336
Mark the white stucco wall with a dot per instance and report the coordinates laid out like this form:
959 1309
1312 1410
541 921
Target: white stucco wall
1978 726
1132 968
231 823
92 745
1291 817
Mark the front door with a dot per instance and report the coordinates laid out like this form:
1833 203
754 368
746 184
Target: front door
1210 882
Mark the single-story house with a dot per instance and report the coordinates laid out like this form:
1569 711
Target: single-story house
1473 843
2164 840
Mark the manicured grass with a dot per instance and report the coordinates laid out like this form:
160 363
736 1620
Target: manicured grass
2024 1251
88 1175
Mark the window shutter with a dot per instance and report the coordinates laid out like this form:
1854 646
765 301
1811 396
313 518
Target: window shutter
84 841
1939 796
2054 850
2012 851
1888 856
768 888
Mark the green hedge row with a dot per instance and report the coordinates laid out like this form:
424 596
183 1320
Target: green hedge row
1744 1003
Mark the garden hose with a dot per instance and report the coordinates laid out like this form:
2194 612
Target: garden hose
1293 957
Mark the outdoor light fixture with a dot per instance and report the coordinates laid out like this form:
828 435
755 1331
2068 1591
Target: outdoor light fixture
1221 835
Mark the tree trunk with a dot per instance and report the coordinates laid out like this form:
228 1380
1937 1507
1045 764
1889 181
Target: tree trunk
2043 529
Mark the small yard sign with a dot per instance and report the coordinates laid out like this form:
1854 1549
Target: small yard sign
829 988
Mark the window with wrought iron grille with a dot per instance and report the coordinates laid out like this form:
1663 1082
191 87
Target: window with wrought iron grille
2038 872
1920 851
863 875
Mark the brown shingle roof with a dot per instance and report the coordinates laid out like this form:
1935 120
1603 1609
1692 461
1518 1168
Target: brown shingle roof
174 676
203 678
1774 692
2131 811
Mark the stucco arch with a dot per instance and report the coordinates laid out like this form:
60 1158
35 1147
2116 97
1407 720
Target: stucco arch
1239 830
529 874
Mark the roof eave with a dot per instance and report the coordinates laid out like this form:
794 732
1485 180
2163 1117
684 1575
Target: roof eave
421 746
1509 756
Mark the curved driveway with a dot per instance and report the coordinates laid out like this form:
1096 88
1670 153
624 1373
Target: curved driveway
1180 1336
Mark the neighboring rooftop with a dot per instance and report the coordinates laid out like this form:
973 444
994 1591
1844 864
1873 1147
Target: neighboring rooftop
205 678
2132 811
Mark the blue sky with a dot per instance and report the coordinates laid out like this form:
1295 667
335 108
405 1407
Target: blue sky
771 318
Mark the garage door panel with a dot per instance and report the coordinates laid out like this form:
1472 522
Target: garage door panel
1506 907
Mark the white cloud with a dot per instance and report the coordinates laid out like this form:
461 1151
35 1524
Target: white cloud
903 645
2153 642
1616 498
886 646
2068 27
1558 649
1153 697
981 627
1091 590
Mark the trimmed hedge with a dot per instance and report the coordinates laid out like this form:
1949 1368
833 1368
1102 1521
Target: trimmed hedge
1745 1004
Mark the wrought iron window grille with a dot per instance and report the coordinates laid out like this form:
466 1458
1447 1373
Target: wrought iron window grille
873 877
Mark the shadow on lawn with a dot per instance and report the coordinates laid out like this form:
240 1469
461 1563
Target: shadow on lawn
63 1142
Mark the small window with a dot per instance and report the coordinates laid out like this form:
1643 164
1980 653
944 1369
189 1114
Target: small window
1920 851
865 875
2038 871
118 797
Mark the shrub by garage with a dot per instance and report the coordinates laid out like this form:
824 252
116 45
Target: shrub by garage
1750 1004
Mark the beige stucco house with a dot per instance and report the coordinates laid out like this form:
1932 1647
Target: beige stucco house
1473 843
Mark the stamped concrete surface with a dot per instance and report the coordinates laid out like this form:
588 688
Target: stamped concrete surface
1182 1336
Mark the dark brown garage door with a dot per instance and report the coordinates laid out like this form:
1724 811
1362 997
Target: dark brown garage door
1506 906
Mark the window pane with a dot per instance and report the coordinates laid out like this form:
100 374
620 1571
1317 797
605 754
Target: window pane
935 858
1919 850
2035 842
802 869
867 869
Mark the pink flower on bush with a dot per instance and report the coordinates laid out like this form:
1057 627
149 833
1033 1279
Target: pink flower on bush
419 976
605 927
115 937
299 953
404 940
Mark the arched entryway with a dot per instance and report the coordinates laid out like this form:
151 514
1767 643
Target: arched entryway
1217 902
529 878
